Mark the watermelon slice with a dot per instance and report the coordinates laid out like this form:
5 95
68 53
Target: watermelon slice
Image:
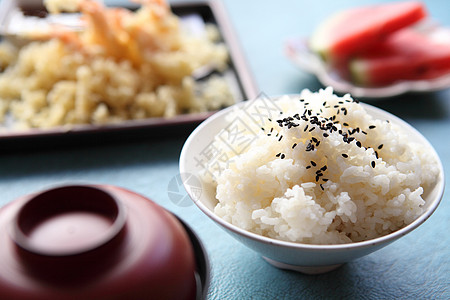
405 55
355 30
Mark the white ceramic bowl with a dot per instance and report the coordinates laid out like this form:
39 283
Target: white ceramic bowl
306 258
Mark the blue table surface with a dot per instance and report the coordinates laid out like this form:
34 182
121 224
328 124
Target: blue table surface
415 267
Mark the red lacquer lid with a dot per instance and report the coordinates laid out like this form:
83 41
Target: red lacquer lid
94 242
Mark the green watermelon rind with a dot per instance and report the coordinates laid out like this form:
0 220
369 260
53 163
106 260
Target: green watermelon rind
319 40
358 72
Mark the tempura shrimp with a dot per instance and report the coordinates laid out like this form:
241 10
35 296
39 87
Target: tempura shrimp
121 33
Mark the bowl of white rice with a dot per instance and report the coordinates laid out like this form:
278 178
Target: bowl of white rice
311 181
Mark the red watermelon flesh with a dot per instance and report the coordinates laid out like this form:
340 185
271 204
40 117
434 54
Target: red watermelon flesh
405 55
357 29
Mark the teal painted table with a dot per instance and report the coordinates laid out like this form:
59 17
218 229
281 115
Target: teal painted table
415 267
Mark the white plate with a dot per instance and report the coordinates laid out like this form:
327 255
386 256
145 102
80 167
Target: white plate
298 52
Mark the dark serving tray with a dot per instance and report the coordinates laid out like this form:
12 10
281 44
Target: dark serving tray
244 87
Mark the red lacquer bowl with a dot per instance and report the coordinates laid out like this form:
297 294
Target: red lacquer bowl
97 242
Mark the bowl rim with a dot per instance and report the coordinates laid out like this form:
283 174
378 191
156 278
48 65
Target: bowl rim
57 206
440 185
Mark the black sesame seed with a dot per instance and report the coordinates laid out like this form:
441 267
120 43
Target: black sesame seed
345 124
325 179
278 155
344 155
318 143
358 143
380 146
313 163
363 132
306 128
324 168
282 156
314 139
325 103
325 134
308 167
280 138
311 129
372 126
372 164
321 187
295 145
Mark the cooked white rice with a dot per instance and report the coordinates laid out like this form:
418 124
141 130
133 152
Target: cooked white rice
357 179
